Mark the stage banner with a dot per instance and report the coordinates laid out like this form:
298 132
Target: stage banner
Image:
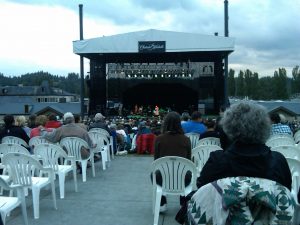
152 46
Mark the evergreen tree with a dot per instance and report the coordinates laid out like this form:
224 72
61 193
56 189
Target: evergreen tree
231 83
240 86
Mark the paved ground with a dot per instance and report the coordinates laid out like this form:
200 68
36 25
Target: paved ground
121 195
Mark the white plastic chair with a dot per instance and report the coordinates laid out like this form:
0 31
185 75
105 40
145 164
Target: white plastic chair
6 148
14 140
55 157
294 166
102 146
280 141
110 140
21 167
73 146
194 137
297 136
209 141
7 204
288 151
173 170
200 155
34 141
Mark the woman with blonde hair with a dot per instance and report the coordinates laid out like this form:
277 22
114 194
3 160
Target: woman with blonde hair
21 122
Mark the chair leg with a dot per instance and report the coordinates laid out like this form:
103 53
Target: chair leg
83 167
75 177
61 179
104 158
3 216
53 194
157 206
23 205
36 202
93 165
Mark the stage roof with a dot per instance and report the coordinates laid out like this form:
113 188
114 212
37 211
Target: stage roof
174 42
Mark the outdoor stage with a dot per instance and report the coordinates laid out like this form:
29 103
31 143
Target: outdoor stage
170 69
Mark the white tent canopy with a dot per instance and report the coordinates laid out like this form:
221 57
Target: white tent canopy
175 42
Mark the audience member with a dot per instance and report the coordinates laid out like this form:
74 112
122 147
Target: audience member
69 129
31 121
79 122
185 117
248 127
210 132
172 142
99 122
40 121
21 122
195 125
52 122
278 127
10 129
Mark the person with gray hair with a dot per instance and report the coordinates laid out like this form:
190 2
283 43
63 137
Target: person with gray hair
248 127
69 129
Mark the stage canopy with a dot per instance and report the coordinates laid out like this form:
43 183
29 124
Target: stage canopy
174 42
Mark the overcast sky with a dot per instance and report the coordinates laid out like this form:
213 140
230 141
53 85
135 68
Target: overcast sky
37 34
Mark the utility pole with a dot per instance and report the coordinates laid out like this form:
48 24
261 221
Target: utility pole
226 32
81 65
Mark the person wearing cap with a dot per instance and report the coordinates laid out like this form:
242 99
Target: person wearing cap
69 129
99 123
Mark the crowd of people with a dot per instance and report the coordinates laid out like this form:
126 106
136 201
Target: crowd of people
243 130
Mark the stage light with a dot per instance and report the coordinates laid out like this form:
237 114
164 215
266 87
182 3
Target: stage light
142 75
169 75
135 75
155 75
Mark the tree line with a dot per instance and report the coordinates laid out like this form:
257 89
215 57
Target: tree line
249 84
244 84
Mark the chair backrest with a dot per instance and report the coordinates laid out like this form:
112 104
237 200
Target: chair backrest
297 136
100 130
6 148
14 140
289 151
50 155
194 137
280 141
21 167
210 141
73 146
233 198
99 138
200 154
34 141
294 166
173 170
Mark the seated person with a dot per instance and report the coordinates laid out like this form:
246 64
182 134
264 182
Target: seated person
10 129
40 121
210 132
52 122
248 127
278 127
195 125
172 142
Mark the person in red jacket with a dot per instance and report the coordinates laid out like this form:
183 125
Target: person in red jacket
52 122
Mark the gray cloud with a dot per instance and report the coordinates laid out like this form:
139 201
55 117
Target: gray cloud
267 32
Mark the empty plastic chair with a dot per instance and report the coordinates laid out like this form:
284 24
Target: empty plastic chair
21 170
55 157
7 204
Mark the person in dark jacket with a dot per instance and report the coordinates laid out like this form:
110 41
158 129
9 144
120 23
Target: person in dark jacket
172 142
248 127
11 130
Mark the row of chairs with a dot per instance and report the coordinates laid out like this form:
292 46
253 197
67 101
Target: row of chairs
49 159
